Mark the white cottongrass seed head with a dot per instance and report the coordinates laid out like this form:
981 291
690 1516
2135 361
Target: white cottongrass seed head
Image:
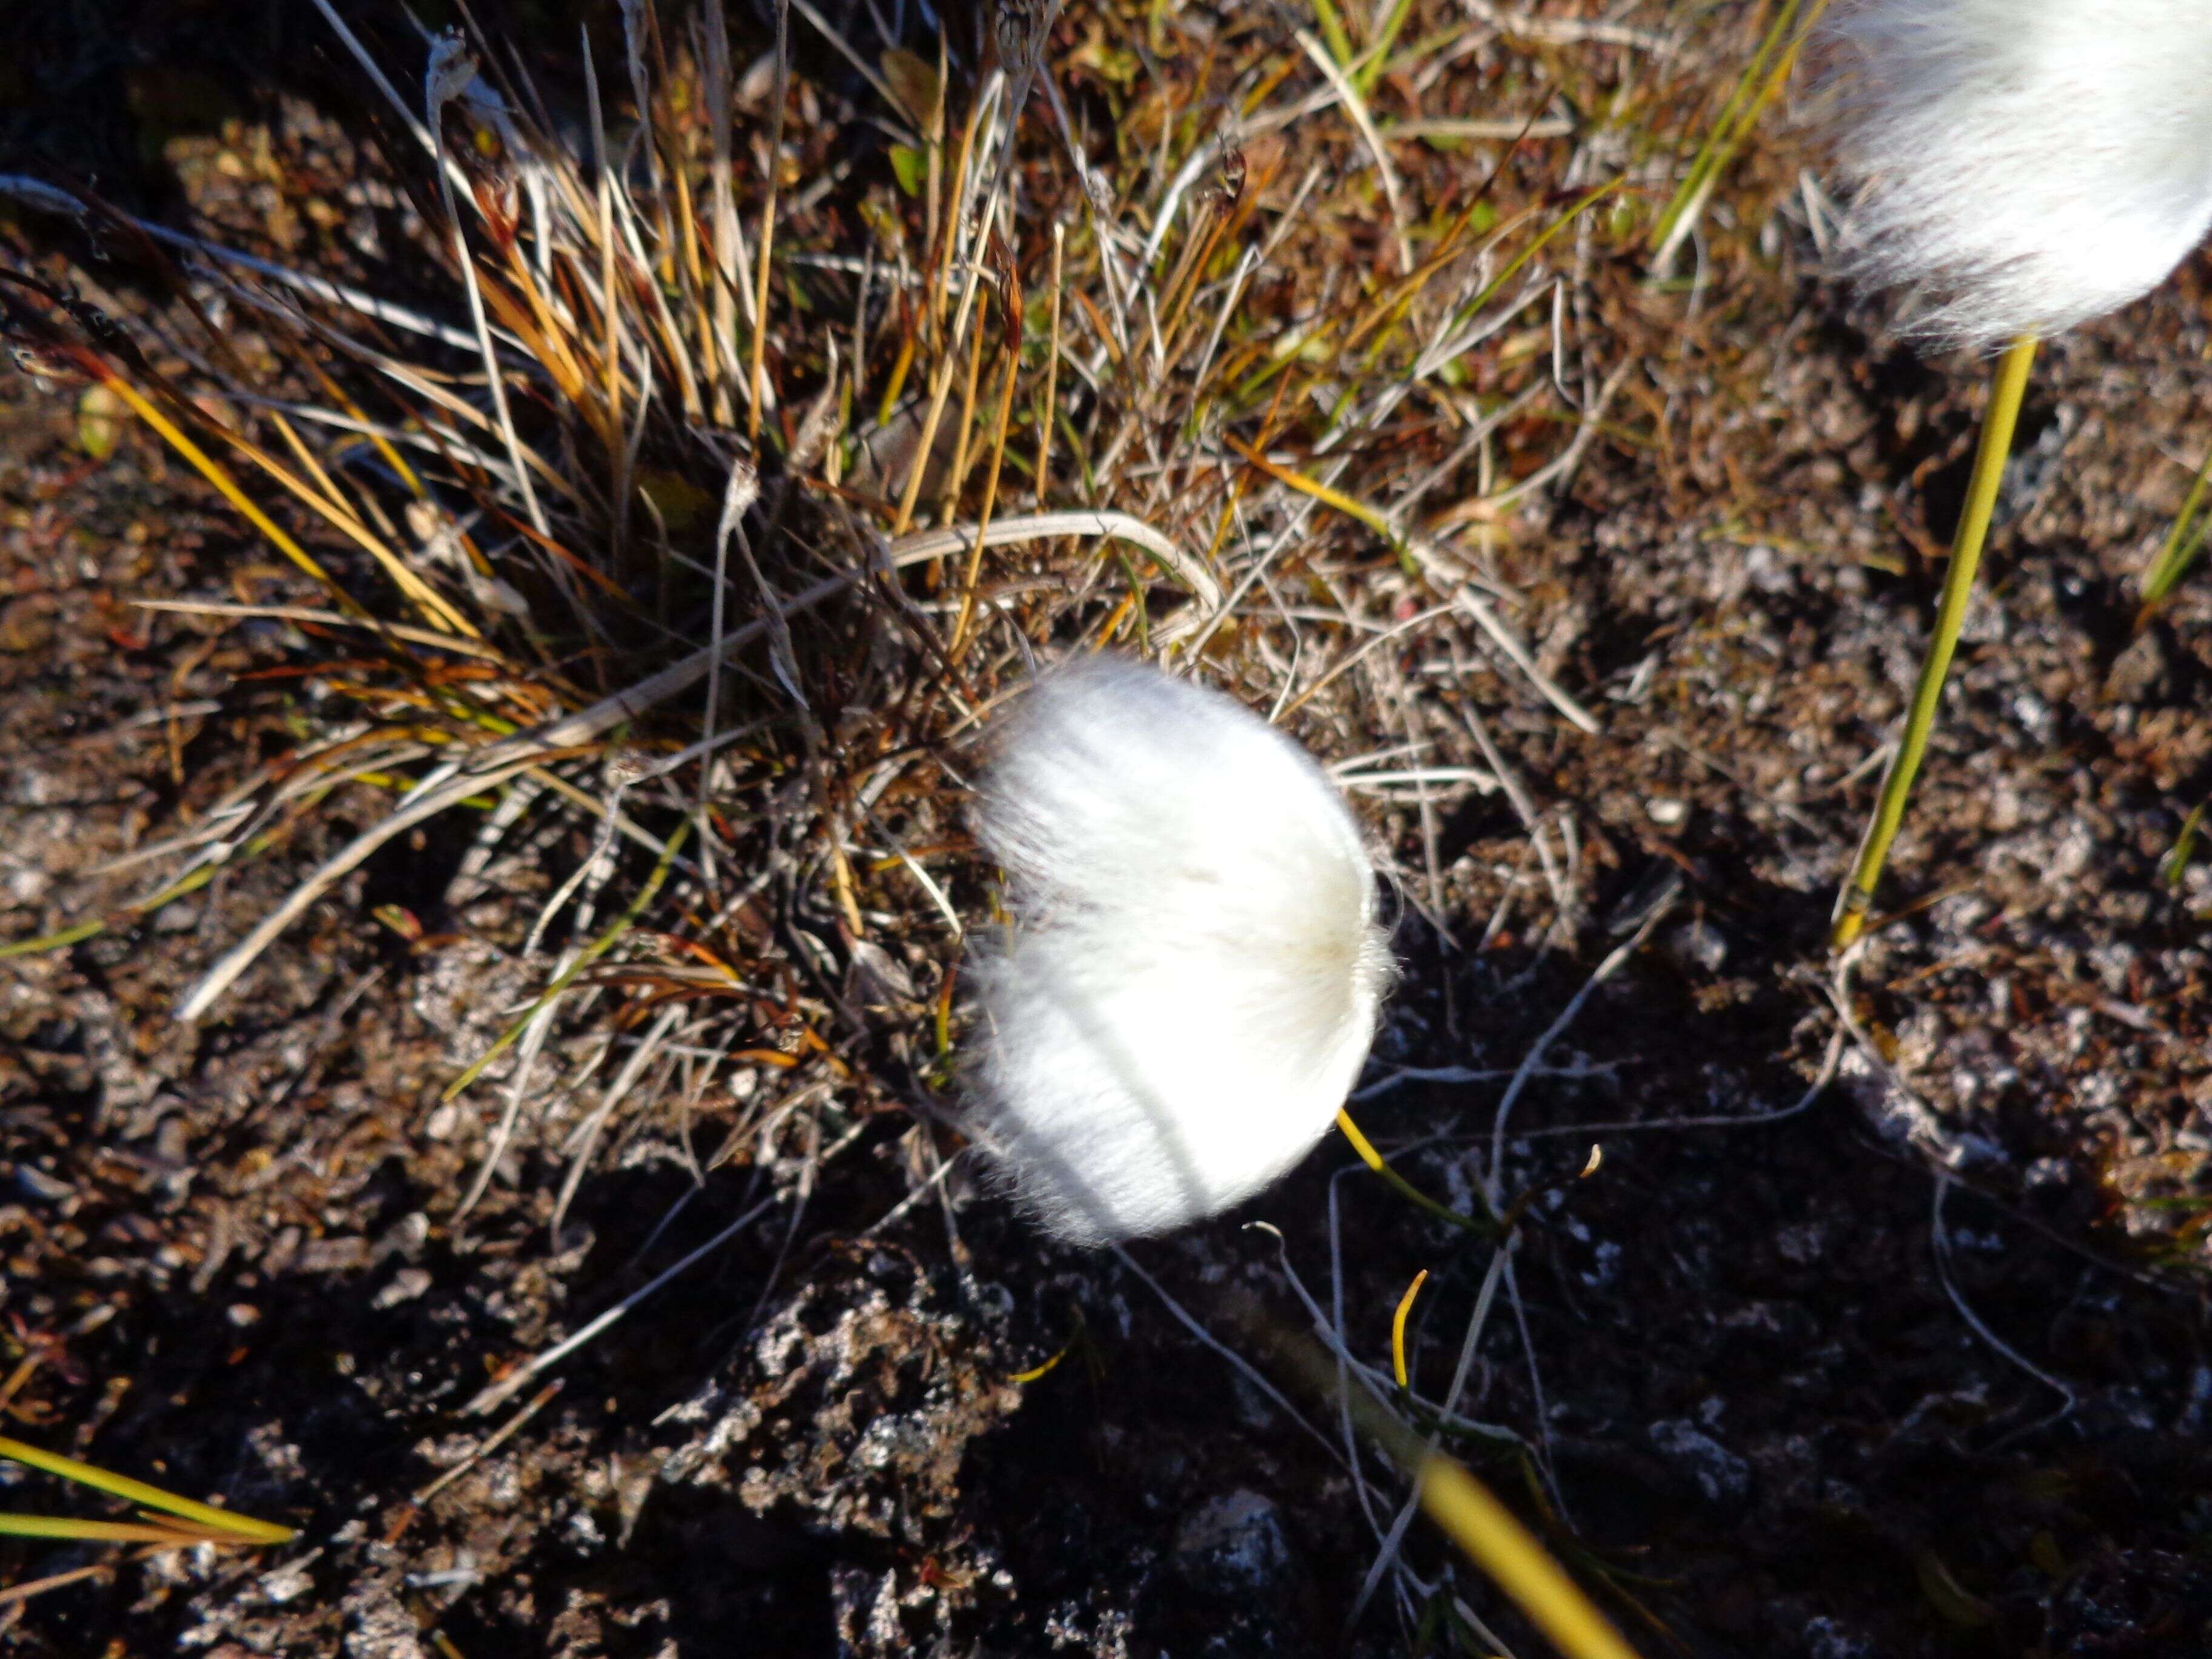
2021 166
1190 981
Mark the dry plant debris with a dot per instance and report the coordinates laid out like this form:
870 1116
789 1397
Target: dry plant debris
561 506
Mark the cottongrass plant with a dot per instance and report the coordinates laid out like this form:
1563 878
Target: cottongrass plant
578 606
1191 981
2020 166
1187 991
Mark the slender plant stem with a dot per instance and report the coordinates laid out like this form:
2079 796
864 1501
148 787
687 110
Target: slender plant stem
1398 1183
757 382
1494 1539
2183 544
1489 1534
1857 898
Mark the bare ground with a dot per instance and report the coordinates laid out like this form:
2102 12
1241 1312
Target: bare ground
1919 1368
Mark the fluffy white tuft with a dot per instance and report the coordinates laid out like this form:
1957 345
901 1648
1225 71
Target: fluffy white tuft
2022 165
1191 981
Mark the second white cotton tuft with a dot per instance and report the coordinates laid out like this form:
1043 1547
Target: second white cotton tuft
1190 982
2022 165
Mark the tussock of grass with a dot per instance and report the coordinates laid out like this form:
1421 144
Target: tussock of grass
533 556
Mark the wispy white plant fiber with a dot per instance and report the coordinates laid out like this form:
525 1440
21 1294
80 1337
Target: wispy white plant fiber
2022 165
1191 980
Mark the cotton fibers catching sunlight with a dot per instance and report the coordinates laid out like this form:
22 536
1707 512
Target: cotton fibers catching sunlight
1190 981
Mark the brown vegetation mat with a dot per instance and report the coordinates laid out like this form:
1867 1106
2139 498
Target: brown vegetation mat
1600 585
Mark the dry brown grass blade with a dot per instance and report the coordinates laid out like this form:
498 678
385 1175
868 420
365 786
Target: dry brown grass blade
964 425
990 499
1051 368
757 379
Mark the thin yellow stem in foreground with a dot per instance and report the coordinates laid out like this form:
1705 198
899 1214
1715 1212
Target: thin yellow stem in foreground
1471 1515
1502 1546
1857 898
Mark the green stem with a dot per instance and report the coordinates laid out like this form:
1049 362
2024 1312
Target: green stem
1404 1188
1376 57
110 1532
1737 118
2183 543
1333 32
1857 898
61 941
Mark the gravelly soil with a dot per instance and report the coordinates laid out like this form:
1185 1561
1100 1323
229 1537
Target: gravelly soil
1919 1368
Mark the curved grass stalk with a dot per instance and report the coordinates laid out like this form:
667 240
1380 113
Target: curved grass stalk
1404 1188
1398 1328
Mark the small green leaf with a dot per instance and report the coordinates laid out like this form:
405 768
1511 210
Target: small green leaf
910 167
2175 863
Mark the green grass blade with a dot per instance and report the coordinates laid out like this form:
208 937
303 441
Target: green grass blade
1332 32
137 1492
96 925
1377 56
111 1532
61 941
597 948
1793 21
2175 865
2183 544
